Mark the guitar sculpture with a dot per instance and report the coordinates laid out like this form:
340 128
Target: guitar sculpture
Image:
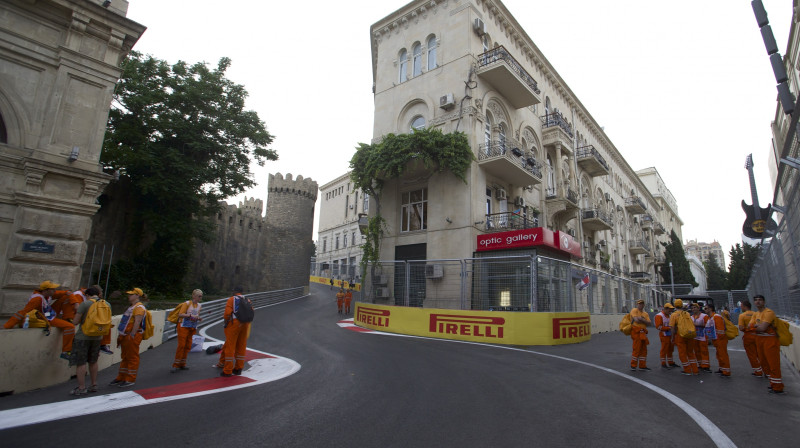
756 221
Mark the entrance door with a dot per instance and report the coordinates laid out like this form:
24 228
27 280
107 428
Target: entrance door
416 282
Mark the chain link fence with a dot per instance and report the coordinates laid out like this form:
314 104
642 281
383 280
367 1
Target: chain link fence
512 283
214 310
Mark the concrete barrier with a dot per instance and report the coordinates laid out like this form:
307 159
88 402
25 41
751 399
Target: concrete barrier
30 360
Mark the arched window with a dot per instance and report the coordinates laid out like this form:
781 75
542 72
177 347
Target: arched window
547 105
431 52
501 137
487 134
485 42
551 177
418 123
403 66
417 68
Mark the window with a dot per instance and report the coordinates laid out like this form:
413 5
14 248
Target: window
485 42
346 204
403 66
324 245
487 135
4 133
488 201
502 138
353 239
414 212
418 123
365 209
431 52
344 240
337 242
551 177
355 203
547 105
417 63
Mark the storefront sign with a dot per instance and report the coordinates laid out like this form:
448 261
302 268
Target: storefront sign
537 236
566 243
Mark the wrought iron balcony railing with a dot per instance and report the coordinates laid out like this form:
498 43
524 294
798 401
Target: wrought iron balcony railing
640 243
501 54
499 222
588 151
509 149
635 202
556 119
596 213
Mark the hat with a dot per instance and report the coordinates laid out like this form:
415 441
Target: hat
668 305
640 301
678 303
136 291
47 284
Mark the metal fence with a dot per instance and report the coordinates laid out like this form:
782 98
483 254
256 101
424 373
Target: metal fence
214 310
511 283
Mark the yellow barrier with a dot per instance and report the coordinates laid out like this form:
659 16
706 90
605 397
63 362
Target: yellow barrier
496 327
336 283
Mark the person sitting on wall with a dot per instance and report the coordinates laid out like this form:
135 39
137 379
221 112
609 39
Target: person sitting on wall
42 300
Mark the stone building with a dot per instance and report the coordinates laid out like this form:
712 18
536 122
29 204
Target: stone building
542 159
703 250
338 237
59 63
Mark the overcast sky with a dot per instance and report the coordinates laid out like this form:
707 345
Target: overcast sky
685 86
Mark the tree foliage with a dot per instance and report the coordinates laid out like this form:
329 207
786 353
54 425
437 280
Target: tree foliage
743 257
682 272
716 277
372 165
182 135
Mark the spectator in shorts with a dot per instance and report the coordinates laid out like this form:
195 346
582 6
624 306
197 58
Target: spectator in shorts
85 349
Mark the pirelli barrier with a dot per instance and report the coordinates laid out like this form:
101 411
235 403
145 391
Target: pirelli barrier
495 327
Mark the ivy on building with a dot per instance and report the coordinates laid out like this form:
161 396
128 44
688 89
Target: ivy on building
372 165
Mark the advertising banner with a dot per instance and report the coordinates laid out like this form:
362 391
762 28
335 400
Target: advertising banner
537 236
565 242
494 327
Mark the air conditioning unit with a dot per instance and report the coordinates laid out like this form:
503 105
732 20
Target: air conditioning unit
602 242
586 245
380 279
636 220
608 197
520 201
434 271
597 247
447 102
501 194
571 232
381 293
479 27
351 206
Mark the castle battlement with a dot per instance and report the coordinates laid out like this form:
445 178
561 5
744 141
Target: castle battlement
301 187
252 206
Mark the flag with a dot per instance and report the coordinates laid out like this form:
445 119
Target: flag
584 283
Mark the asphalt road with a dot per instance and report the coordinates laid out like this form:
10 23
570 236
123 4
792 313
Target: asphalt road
372 390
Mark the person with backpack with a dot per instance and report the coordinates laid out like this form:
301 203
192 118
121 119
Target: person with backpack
715 329
238 316
700 320
130 336
749 337
639 322
767 344
685 345
42 300
665 335
189 316
86 348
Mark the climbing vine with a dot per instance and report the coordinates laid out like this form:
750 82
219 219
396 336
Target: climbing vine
372 165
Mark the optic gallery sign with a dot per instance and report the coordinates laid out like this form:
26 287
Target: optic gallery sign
537 236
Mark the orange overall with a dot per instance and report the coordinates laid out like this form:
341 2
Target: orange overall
749 342
685 346
339 301
348 297
720 343
640 341
129 339
236 332
665 334
701 343
186 328
39 302
769 348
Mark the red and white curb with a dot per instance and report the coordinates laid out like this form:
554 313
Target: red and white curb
264 368
348 324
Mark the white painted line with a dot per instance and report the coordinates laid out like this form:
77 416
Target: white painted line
719 438
263 370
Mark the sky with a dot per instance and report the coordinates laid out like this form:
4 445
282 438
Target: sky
685 86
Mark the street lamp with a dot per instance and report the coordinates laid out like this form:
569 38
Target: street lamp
672 280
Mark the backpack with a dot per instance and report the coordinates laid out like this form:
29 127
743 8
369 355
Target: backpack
173 315
685 326
37 320
98 319
782 328
731 330
147 325
244 311
625 325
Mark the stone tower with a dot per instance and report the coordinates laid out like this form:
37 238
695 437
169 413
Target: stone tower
290 225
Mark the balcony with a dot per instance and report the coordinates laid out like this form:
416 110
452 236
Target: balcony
591 258
641 277
590 160
659 229
596 220
501 222
647 221
639 247
506 75
605 265
503 159
556 130
561 198
626 271
635 205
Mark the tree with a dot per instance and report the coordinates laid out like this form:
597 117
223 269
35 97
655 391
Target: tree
673 252
743 257
182 135
716 277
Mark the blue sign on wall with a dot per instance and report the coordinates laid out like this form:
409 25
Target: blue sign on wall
39 246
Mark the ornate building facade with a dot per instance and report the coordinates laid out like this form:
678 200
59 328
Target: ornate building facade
338 237
59 63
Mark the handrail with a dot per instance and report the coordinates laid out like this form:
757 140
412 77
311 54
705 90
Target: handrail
556 119
214 310
509 149
510 221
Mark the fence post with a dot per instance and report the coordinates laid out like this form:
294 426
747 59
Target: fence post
407 292
534 283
